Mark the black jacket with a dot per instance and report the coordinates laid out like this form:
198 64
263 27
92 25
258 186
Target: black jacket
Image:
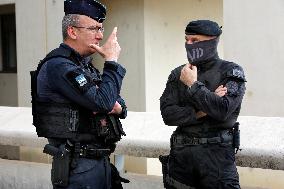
179 103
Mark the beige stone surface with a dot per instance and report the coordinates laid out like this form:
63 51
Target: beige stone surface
28 175
147 136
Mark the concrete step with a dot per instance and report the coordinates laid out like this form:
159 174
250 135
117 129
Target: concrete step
30 175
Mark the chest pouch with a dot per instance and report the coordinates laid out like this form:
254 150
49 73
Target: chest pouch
108 127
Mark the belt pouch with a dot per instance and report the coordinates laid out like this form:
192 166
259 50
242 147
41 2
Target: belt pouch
165 168
60 170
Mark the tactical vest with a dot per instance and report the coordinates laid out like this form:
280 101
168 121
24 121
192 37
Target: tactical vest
212 75
69 120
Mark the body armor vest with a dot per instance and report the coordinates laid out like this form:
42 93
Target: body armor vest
69 120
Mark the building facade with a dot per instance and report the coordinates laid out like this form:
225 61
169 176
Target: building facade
151 34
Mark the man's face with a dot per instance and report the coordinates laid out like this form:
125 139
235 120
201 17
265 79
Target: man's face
191 39
88 32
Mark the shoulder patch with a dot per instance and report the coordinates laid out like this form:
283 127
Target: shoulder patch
81 80
237 73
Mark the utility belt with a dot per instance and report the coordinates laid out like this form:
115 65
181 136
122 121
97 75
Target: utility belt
230 136
84 151
183 140
65 158
91 152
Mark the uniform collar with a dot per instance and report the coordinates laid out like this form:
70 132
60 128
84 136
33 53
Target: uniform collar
75 54
206 65
72 51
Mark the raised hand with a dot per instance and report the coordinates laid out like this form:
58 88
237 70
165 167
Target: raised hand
117 109
188 74
110 50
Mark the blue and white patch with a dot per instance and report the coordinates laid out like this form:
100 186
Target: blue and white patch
238 73
81 80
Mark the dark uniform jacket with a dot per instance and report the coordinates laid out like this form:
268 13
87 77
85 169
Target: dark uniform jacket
61 80
179 103
71 79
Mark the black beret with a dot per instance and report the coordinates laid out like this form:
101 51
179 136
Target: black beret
203 27
91 8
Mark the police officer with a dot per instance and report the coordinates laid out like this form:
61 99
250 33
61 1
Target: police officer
203 98
76 107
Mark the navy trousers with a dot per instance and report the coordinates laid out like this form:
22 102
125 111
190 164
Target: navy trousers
204 166
90 174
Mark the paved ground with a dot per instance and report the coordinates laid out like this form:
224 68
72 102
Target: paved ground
153 182
29 175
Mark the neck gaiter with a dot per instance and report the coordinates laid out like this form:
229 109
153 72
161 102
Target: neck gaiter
202 51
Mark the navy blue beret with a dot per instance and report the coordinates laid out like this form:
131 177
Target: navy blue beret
91 8
203 27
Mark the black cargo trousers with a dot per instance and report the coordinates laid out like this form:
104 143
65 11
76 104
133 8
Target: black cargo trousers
210 166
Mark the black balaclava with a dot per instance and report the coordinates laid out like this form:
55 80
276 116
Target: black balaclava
200 52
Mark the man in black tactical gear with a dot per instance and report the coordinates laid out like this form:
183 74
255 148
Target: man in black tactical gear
203 98
76 107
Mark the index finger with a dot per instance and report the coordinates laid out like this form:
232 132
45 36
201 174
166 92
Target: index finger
112 36
113 33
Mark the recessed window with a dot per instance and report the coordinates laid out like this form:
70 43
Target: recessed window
8 53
